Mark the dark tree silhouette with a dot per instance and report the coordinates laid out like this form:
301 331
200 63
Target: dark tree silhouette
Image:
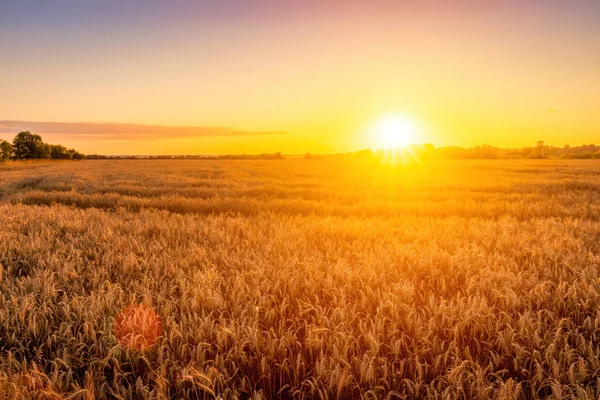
58 152
26 145
6 150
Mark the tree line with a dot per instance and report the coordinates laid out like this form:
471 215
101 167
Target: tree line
263 156
540 151
27 146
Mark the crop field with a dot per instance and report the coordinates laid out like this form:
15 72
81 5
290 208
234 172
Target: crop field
300 279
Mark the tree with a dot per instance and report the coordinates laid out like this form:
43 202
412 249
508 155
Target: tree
58 152
6 150
27 145
428 147
75 155
540 151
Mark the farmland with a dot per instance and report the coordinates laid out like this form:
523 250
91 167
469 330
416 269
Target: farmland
301 279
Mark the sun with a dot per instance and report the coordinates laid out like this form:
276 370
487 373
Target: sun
395 131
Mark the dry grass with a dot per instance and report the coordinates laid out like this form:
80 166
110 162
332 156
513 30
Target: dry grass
301 279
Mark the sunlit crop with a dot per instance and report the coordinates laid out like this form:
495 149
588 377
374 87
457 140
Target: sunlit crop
299 279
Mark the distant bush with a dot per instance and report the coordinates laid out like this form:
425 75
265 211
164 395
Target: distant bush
309 156
581 156
6 150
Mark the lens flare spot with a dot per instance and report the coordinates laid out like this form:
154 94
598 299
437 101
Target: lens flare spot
138 327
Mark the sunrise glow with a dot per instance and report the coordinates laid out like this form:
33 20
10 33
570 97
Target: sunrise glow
216 77
395 131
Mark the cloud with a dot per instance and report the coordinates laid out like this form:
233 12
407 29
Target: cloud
124 132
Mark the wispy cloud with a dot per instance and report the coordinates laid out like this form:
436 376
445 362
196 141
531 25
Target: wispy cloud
125 132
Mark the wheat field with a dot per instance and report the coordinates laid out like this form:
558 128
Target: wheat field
300 279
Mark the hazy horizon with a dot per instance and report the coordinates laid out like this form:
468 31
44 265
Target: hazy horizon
137 136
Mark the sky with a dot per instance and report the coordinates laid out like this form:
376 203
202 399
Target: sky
253 76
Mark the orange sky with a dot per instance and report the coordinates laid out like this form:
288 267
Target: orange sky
262 76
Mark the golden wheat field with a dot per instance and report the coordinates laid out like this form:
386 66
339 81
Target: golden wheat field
300 279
